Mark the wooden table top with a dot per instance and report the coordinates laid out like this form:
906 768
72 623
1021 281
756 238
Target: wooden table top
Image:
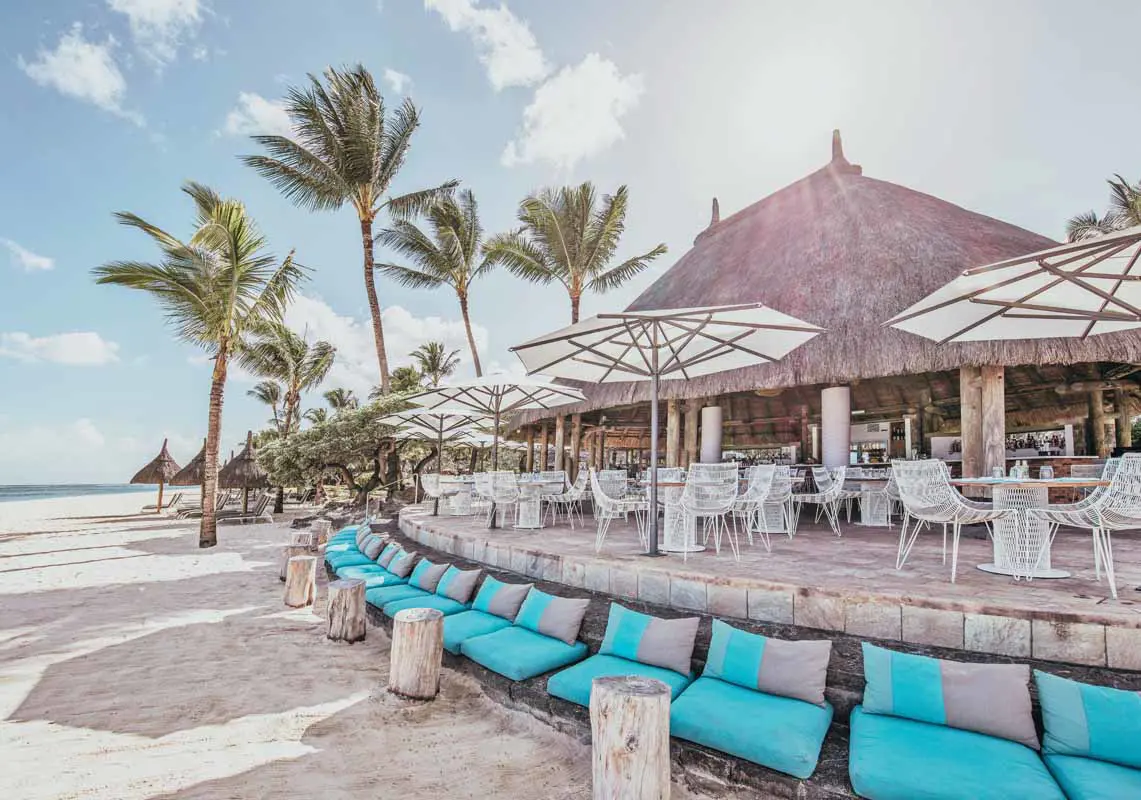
1031 483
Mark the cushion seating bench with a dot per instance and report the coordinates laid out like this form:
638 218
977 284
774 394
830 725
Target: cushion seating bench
573 683
446 605
458 628
495 607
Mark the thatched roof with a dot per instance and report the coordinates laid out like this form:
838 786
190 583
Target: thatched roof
242 471
192 473
846 252
160 470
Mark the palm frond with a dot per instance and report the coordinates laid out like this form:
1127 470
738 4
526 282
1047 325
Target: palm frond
616 276
520 256
414 204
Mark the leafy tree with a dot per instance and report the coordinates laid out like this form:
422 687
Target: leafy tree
341 400
568 237
1124 212
435 362
269 392
215 288
404 380
346 149
451 256
275 352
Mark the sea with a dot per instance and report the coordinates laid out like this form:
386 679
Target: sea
50 491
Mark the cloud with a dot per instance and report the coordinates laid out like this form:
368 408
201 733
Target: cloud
83 70
73 349
256 115
25 259
355 367
158 27
504 43
397 81
576 114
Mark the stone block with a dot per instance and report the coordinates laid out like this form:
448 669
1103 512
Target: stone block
771 605
597 577
933 626
689 594
1071 642
728 601
873 620
517 561
654 587
1004 636
574 574
479 550
550 568
491 554
818 611
1123 648
624 583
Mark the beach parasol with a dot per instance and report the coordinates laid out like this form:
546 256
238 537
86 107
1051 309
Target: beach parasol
438 425
665 344
242 472
159 471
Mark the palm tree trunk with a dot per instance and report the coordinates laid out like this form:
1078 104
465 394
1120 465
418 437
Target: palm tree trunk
208 532
470 338
574 308
373 303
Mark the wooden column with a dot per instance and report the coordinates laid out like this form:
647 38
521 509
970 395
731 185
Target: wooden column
560 442
575 446
530 448
417 652
692 428
301 581
673 433
993 404
805 436
346 611
630 738
970 420
1124 418
1098 443
602 448
541 458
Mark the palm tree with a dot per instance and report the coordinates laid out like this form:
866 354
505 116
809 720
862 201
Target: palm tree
567 237
404 379
316 415
451 256
1124 212
341 400
274 351
215 288
269 392
346 150
435 362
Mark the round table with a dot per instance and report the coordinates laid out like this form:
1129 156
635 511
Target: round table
531 502
680 531
458 491
874 502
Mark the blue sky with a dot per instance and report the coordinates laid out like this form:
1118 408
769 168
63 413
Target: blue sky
1019 110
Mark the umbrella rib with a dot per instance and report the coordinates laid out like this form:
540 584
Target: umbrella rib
1073 277
561 337
688 337
581 347
1124 275
958 299
1048 310
1082 249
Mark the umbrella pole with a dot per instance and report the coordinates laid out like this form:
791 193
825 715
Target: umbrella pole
494 458
653 533
158 507
439 468
246 500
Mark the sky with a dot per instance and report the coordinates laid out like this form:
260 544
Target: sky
1019 110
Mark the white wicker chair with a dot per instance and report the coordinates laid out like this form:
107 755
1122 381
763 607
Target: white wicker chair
607 509
827 498
430 485
709 494
748 506
504 494
569 501
481 492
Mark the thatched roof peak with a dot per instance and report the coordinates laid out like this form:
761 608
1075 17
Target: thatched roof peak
160 470
243 471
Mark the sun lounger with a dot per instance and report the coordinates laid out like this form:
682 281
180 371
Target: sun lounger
258 514
171 503
542 638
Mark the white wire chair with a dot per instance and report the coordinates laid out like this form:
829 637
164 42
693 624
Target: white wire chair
827 498
504 494
555 476
709 494
749 505
430 485
608 508
569 501
1113 508
481 491
928 497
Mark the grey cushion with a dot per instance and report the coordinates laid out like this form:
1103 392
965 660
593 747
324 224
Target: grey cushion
401 566
557 617
388 553
372 547
500 599
363 532
796 669
458 584
427 575
650 640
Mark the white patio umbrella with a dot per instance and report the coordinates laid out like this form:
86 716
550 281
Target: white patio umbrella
1074 290
667 344
438 425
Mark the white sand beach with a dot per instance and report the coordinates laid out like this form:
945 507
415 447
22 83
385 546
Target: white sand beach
135 665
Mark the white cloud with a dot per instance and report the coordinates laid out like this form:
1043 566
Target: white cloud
200 53
84 70
504 43
73 349
355 367
25 259
576 114
397 81
256 115
158 27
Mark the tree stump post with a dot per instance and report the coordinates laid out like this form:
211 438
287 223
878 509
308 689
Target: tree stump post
288 552
346 611
417 652
301 581
321 530
630 738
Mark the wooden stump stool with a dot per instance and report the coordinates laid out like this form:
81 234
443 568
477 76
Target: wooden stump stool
288 552
321 530
630 738
301 581
302 538
346 610
417 652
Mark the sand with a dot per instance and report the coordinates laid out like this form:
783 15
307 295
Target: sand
134 665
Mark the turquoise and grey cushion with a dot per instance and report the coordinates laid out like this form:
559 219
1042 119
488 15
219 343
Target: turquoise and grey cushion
776 732
427 575
557 617
650 640
500 599
401 565
351 558
458 584
1091 721
573 683
376 579
372 546
1090 779
380 596
987 698
363 532
518 653
388 553
892 758
443 604
458 628
347 533
796 669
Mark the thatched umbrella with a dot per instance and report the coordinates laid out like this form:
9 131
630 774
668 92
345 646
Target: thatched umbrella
244 473
194 472
159 471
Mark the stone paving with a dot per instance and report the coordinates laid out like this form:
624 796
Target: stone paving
845 584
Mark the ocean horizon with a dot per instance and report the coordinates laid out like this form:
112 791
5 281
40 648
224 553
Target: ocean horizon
50 491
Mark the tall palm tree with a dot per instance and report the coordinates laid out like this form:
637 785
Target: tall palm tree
345 149
404 379
341 400
316 415
451 256
435 362
215 288
269 392
274 351
569 237
1124 212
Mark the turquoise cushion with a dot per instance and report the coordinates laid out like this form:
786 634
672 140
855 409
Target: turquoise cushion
339 560
377 579
381 596
892 758
361 571
340 547
518 653
458 628
776 732
445 604
650 640
1089 779
1093 721
573 683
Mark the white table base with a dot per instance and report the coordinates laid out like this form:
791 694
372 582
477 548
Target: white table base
1019 541
530 515
774 514
874 505
681 531
460 505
